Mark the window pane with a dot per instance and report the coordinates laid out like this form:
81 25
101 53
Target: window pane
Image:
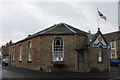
99 54
29 51
112 45
113 55
20 53
58 42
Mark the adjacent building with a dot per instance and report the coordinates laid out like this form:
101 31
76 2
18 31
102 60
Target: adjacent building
114 40
5 53
0 55
61 47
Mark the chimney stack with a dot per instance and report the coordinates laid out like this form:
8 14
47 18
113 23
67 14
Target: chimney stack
29 35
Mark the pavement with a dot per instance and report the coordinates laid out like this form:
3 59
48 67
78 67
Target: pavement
9 73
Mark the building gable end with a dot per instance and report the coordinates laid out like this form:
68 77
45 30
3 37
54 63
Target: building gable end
99 40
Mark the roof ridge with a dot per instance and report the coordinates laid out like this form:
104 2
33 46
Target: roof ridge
111 32
63 29
69 28
42 32
75 28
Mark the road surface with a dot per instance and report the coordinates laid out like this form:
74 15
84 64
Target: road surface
9 73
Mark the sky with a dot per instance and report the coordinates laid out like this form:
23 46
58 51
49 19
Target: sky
119 13
20 18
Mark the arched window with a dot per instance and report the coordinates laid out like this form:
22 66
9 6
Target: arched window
29 51
57 49
20 52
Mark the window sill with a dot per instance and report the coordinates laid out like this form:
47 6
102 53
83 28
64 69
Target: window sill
29 61
100 61
57 61
20 61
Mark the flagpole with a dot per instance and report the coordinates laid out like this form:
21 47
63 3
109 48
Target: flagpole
97 19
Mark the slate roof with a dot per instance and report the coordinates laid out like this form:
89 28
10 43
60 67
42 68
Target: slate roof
112 36
61 28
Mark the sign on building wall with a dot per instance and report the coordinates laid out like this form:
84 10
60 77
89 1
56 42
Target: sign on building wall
108 47
99 42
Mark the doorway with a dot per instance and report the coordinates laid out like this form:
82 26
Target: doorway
80 60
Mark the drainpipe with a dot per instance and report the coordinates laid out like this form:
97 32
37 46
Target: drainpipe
76 60
89 47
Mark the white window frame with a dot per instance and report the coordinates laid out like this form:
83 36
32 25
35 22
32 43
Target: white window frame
20 52
59 52
29 51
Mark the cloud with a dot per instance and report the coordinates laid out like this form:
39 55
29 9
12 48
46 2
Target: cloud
0 24
119 13
60 0
22 18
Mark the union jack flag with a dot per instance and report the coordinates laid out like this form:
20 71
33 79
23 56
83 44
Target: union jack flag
102 16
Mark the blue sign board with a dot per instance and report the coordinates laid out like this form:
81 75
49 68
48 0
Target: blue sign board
108 47
6 55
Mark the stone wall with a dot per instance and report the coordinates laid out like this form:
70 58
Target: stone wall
95 64
42 53
118 49
34 64
46 53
